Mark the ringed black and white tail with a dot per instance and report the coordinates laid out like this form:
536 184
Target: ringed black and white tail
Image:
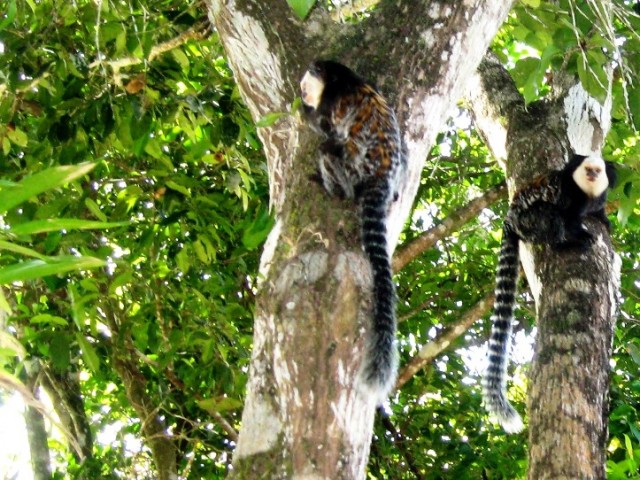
495 378
381 356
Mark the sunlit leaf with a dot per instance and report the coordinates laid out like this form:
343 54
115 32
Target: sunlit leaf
41 182
88 353
95 209
18 137
10 14
4 305
258 230
270 118
301 7
32 269
219 405
28 252
45 318
593 78
54 224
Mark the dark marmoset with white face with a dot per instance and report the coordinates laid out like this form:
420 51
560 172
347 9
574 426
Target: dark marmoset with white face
362 134
361 158
549 211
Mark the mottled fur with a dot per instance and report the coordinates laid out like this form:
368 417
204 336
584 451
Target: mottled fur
549 211
361 159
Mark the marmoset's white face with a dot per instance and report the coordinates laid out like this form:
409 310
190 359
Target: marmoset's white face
312 87
591 176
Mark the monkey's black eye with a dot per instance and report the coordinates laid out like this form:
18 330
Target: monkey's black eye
317 69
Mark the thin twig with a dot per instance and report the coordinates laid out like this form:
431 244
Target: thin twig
432 349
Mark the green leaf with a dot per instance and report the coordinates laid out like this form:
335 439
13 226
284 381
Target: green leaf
634 351
528 74
59 351
524 69
200 251
46 318
28 252
178 188
254 235
634 105
40 182
32 269
18 137
219 405
593 78
9 16
628 445
270 118
295 105
55 224
183 260
301 7
95 209
88 353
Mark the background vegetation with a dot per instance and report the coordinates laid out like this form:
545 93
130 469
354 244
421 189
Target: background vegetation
134 204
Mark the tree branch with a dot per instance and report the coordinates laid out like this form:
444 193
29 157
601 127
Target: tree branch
432 349
449 225
155 434
196 32
64 390
493 100
400 442
161 443
179 384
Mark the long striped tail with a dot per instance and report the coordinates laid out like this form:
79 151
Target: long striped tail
495 378
381 356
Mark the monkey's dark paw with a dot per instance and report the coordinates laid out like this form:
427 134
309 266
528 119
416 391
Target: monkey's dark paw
580 243
316 178
331 148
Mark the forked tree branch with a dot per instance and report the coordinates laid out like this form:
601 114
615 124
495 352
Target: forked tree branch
449 225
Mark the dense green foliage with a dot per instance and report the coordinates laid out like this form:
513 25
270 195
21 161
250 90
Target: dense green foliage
134 204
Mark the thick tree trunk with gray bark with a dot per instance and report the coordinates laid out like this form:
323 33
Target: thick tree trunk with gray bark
575 292
303 418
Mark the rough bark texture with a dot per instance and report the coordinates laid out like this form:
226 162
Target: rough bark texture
37 435
64 391
154 430
575 292
303 418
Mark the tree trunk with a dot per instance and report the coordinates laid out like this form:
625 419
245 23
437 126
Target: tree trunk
64 391
576 304
303 417
575 292
37 435
153 427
